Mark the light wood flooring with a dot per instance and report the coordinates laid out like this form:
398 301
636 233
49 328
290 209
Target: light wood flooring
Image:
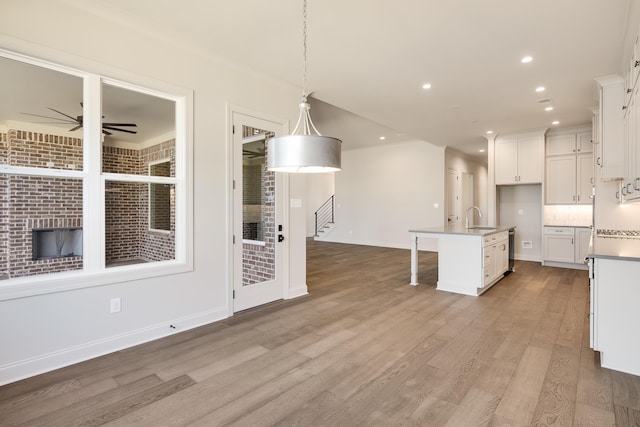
364 348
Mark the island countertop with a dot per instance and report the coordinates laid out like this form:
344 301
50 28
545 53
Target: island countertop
479 230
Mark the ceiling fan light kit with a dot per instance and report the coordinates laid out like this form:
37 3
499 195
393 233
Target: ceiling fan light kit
304 151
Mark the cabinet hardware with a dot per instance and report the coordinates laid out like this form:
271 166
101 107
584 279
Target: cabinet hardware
574 198
635 184
578 197
624 190
617 195
624 107
629 191
636 64
598 162
629 91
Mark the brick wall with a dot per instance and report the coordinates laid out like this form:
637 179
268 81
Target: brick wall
28 202
127 207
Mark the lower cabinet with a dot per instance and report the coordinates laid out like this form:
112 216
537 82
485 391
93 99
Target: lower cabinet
614 315
566 245
495 252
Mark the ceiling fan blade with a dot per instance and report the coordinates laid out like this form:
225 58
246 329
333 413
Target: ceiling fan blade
119 130
66 115
75 128
120 124
52 118
106 133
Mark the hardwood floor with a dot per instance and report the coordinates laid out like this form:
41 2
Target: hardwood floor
364 348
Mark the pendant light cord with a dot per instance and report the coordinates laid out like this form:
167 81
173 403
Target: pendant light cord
304 51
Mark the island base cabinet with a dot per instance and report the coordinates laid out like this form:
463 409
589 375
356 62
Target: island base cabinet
470 265
615 314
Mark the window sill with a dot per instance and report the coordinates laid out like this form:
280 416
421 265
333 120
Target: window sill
66 281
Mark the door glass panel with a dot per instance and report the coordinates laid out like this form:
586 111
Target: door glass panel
40 117
258 209
128 237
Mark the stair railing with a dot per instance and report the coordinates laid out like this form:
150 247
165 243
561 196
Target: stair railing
325 214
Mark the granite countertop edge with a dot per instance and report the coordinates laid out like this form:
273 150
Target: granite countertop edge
461 230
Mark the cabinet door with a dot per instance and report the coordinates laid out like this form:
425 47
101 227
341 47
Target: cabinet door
559 248
561 144
530 160
489 267
560 185
503 259
584 178
611 128
583 236
506 161
584 142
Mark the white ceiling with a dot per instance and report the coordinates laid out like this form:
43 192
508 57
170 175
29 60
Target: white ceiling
371 57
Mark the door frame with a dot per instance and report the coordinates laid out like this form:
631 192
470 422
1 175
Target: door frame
283 187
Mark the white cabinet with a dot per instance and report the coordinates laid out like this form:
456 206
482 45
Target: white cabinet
569 143
519 159
582 239
569 168
558 244
560 183
495 253
614 313
611 128
567 245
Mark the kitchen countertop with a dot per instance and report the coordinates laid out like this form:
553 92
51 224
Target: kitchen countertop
623 248
460 229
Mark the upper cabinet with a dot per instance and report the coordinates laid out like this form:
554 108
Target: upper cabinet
569 170
571 143
611 128
519 159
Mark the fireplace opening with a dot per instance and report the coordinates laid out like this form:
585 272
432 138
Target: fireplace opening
49 243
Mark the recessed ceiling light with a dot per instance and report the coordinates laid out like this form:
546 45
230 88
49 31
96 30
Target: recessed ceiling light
489 132
526 59
540 89
555 122
548 108
426 86
382 138
481 150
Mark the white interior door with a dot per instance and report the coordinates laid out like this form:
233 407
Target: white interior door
258 210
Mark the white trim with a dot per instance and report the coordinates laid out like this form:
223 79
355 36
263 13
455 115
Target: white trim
68 356
94 272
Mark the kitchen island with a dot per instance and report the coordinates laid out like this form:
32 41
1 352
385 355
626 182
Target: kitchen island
470 260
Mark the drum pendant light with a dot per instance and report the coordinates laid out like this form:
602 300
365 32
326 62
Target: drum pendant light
305 150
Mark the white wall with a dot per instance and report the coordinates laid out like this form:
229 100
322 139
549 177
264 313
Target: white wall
384 191
320 186
462 163
47 331
521 206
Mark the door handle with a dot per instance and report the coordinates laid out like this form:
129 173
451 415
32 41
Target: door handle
280 238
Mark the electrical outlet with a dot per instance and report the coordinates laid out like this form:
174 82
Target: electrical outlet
527 244
115 305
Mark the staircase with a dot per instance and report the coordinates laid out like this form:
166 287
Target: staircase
325 218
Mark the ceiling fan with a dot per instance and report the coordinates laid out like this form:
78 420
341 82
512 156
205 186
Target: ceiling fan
78 120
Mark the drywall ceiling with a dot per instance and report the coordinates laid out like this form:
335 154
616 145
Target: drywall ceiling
371 58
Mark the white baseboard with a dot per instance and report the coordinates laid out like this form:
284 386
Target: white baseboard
298 291
68 356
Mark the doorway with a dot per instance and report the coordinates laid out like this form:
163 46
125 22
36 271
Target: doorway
258 215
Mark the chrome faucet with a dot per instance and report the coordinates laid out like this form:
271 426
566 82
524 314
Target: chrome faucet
466 224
